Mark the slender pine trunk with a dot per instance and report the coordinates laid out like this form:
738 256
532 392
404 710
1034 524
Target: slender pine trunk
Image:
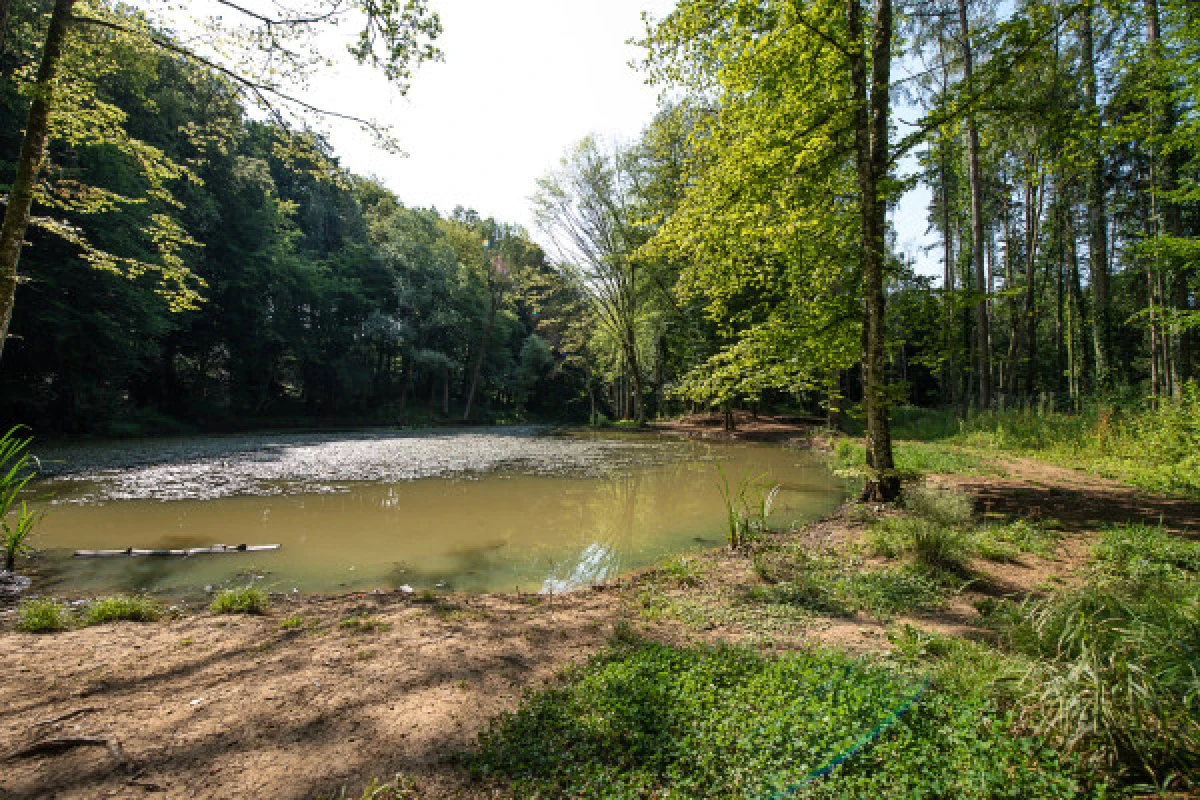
1097 211
983 343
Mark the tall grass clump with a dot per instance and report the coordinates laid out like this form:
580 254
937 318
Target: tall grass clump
748 504
937 532
43 616
123 608
246 600
16 471
1117 681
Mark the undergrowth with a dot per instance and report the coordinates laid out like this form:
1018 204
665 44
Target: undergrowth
647 720
1115 670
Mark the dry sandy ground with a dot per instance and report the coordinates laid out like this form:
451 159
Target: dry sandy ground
241 707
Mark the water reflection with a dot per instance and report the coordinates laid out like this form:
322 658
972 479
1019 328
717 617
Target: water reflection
546 525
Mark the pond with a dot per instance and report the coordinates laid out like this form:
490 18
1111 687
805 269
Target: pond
469 510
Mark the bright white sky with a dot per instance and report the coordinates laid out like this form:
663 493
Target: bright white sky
522 81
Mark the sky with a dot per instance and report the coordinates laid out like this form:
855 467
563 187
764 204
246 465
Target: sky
522 81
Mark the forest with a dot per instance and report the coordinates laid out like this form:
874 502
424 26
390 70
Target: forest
198 262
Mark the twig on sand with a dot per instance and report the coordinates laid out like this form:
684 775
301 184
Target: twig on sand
61 744
64 717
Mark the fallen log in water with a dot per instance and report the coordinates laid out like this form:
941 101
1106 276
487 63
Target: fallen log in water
189 551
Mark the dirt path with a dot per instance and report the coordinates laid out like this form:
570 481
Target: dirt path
242 707
237 707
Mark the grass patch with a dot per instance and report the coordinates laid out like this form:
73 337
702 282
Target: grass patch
292 623
1005 542
647 720
680 570
1128 547
930 544
833 583
246 600
43 616
1153 448
914 459
399 789
122 608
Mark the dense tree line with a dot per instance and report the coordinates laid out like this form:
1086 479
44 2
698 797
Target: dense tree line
736 253
282 287
1059 142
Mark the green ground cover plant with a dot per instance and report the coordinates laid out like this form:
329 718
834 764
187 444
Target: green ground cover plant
831 582
16 520
648 720
914 459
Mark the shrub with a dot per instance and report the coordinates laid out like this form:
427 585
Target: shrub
43 616
122 608
247 600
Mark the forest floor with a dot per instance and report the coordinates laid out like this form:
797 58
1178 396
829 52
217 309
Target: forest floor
322 695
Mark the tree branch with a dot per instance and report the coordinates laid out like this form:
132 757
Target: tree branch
259 89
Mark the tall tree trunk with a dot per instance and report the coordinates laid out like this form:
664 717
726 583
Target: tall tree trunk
1097 212
477 367
983 343
33 149
635 373
1084 369
1034 193
1165 120
4 4
1061 330
871 107
445 391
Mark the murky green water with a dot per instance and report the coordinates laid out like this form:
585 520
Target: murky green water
468 510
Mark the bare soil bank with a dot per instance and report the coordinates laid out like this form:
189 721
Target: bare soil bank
239 707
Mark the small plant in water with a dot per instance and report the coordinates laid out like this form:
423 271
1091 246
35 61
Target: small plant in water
15 474
741 521
246 600
43 616
122 608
